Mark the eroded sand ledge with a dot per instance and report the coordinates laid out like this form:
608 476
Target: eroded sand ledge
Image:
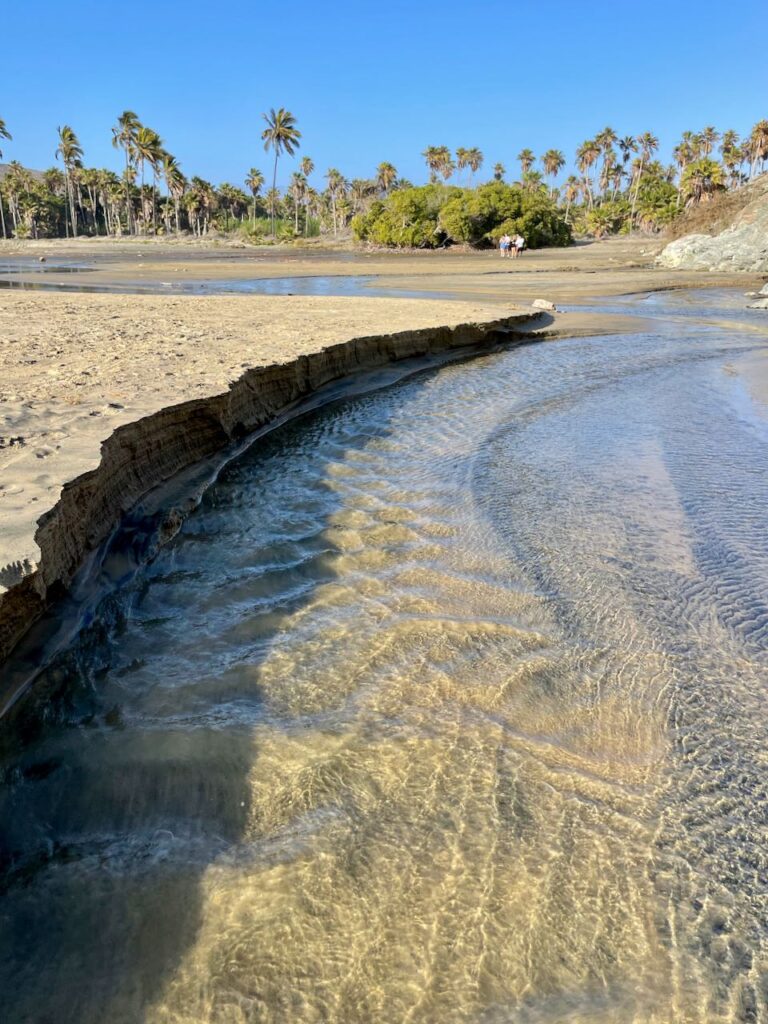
83 475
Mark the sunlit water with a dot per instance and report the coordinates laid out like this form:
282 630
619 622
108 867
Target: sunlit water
449 704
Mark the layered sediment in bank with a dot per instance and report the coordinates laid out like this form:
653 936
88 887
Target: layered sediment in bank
103 398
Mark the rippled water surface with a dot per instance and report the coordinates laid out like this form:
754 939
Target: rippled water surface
449 704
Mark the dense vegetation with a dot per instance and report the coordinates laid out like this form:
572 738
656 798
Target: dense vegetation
435 214
618 186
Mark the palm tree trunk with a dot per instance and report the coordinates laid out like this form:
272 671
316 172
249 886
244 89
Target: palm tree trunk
274 186
2 217
634 197
70 199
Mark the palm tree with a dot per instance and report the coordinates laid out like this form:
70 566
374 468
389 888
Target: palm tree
129 185
386 176
527 159
571 192
337 187
474 160
359 190
273 200
71 153
616 177
297 190
462 159
648 144
431 159
4 134
254 182
607 171
709 137
586 157
445 164
757 146
280 134
732 154
701 180
499 170
148 147
606 140
439 162
89 178
124 137
532 181
553 162
628 146
175 182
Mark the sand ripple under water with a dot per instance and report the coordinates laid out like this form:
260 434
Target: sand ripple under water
447 705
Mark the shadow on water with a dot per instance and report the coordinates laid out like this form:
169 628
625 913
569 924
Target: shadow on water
126 776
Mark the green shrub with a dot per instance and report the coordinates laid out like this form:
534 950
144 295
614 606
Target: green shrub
434 214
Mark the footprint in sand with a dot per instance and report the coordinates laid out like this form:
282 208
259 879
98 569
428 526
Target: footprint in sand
17 441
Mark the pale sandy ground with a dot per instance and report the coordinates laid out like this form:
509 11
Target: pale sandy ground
74 366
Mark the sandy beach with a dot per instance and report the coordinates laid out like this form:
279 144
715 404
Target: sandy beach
77 365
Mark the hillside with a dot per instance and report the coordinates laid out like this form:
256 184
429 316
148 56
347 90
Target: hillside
730 233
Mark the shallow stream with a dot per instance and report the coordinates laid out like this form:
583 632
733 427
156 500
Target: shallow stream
448 704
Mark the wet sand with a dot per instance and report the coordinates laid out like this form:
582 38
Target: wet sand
576 274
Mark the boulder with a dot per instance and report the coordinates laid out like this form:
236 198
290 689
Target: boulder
743 246
544 304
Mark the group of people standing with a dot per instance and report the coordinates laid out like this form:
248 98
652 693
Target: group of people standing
511 247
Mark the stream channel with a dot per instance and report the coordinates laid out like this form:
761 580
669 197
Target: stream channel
447 704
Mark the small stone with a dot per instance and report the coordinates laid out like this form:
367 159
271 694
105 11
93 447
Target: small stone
544 304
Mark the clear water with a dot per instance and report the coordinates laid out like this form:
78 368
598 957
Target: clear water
448 704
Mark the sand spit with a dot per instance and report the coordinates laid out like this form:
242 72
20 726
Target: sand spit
103 397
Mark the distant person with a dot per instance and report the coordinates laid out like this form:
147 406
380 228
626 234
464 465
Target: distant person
504 245
519 245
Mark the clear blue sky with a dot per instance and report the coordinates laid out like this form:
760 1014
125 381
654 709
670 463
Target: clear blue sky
372 81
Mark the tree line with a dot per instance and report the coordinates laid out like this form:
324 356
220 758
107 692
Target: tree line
617 184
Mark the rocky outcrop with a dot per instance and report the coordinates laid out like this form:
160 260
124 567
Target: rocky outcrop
141 455
742 247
